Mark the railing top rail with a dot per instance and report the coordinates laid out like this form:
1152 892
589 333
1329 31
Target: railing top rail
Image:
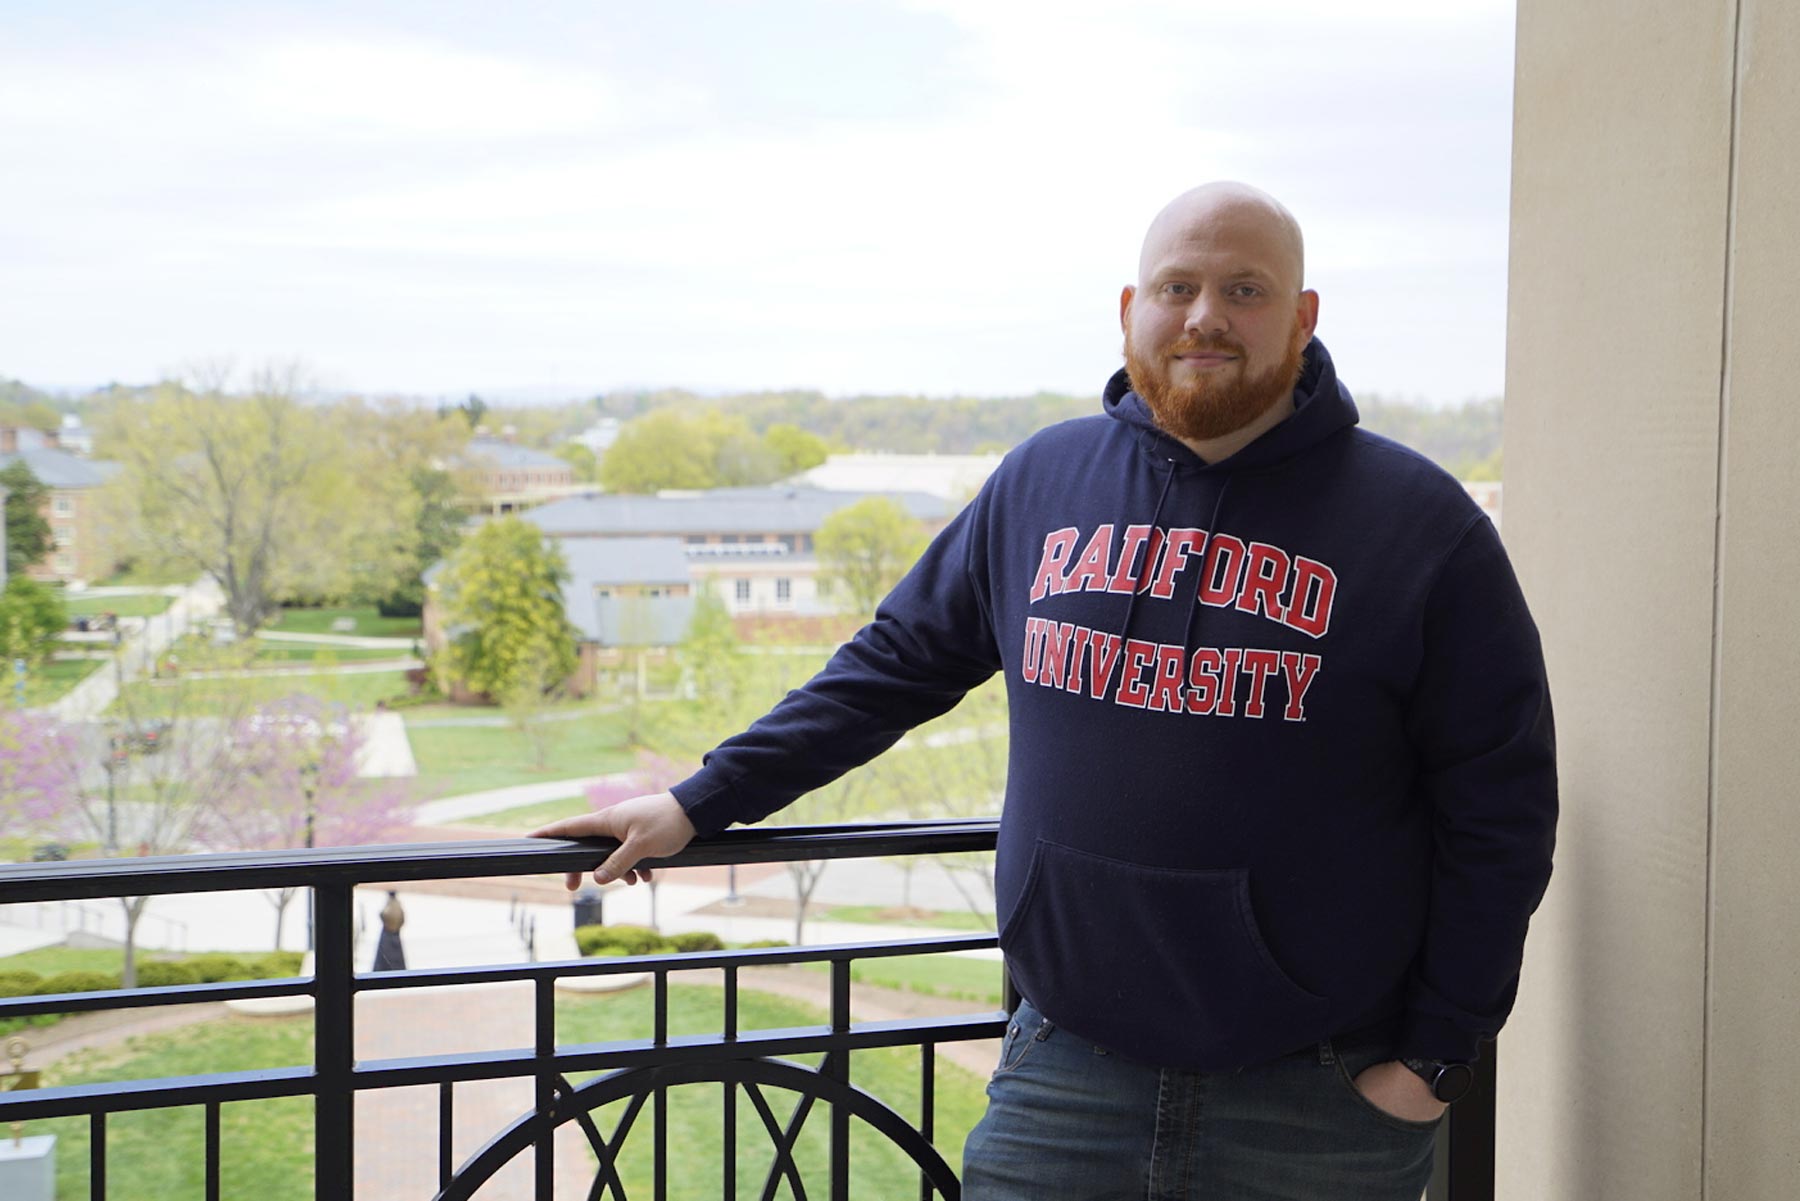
154 875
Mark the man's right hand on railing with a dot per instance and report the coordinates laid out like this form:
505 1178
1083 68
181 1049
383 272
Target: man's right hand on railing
647 827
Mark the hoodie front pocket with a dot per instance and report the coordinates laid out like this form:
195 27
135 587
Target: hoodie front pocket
1165 965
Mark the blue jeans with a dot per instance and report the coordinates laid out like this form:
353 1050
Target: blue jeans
1071 1121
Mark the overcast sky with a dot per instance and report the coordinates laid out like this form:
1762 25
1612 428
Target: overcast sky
937 196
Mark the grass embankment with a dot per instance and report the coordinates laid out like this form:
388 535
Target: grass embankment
48 681
287 654
143 604
530 817
267 1145
365 622
459 759
957 977
191 696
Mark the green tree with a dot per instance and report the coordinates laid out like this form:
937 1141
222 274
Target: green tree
660 450
503 611
710 449
865 548
262 491
582 459
27 532
31 618
795 449
438 530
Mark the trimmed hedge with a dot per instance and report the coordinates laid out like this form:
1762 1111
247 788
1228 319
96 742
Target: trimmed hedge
613 941
209 968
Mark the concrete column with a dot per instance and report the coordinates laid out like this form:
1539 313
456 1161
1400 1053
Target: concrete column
1652 427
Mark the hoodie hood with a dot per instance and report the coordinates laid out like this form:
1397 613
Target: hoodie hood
1322 407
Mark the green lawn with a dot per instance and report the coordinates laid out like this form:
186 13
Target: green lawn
200 696
288 652
137 577
459 759
369 623
941 919
530 817
48 961
48 681
147 604
267 1145
959 977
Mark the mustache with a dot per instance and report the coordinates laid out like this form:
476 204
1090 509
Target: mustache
1192 345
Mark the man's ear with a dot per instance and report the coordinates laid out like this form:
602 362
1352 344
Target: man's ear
1308 315
1125 304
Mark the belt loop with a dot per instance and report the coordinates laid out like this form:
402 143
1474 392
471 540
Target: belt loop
1327 1057
1045 1029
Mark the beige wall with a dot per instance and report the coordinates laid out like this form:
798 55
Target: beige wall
1650 432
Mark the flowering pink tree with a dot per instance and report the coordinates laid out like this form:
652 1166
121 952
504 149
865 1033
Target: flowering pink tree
295 764
38 780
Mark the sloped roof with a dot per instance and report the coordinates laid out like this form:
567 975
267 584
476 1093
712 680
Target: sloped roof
720 510
607 562
506 454
60 469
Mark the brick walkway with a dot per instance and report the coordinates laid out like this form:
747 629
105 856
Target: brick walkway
397 1129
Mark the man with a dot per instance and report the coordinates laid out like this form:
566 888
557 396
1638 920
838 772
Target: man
1281 795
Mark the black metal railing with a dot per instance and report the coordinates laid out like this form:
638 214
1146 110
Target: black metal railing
637 1072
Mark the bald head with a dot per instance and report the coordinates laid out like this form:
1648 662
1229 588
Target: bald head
1213 210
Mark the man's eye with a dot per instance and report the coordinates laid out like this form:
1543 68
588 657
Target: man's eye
1178 290
1246 291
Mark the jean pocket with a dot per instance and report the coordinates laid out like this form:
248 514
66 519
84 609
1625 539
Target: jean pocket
1165 965
1025 1031
1347 1081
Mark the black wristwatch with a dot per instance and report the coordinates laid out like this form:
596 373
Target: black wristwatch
1449 1082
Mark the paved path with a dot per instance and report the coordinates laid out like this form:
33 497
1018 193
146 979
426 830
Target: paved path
195 604
348 640
450 810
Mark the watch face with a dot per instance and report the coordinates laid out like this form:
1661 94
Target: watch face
1453 1082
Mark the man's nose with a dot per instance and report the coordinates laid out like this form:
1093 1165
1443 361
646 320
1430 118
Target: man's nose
1206 315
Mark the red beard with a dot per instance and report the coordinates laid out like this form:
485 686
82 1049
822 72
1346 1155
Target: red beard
1206 408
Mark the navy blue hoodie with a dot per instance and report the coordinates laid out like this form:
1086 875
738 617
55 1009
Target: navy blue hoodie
1281 760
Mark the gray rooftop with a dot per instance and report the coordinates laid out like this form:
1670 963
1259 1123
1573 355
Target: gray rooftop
785 509
506 454
602 563
60 469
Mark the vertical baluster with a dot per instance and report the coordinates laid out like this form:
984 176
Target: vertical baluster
334 1045
212 1151
927 1105
545 1148
97 1157
729 1156
446 1110
661 1166
837 1065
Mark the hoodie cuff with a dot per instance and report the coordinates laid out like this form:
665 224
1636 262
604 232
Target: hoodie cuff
709 800
1427 1036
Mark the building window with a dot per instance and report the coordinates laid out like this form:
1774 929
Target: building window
64 536
784 590
743 592
64 506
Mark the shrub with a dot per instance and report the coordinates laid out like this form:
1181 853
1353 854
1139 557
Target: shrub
272 965
63 982
623 940
637 940
162 974
698 940
18 984
213 968
765 942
